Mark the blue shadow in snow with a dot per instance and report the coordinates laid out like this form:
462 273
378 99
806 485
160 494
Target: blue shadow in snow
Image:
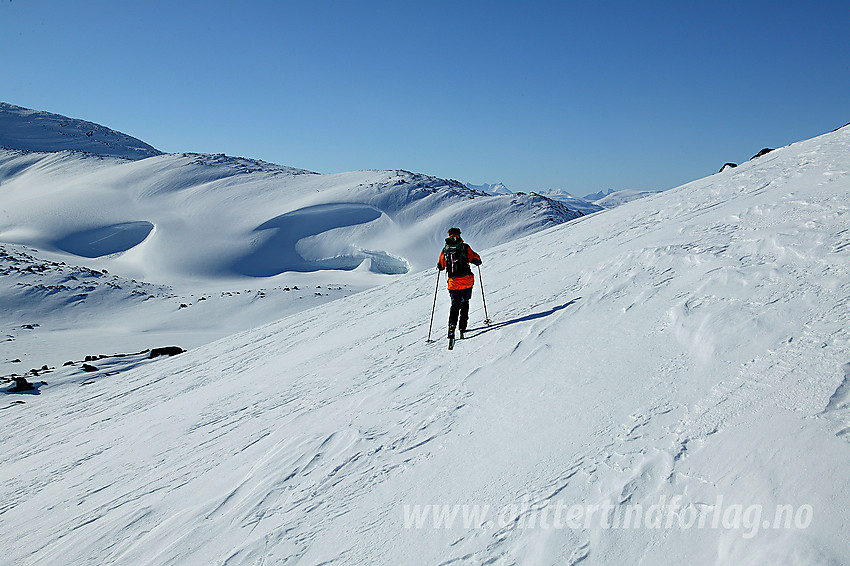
34 390
105 240
277 251
527 318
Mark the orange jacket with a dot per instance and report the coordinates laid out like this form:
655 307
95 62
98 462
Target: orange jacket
465 282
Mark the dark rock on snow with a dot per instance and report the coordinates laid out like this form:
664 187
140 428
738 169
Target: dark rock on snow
166 351
21 384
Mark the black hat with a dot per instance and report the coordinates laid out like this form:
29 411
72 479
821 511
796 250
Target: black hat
454 231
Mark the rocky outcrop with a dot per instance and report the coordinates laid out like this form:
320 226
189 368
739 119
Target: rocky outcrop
166 351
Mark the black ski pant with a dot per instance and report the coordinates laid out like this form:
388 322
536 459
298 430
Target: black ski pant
460 307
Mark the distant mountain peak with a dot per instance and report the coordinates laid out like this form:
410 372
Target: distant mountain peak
593 197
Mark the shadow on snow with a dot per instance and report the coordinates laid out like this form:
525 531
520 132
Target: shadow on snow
528 318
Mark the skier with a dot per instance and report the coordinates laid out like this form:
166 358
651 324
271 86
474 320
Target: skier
455 259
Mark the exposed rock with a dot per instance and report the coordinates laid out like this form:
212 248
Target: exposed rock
166 351
765 151
727 166
21 384
87 367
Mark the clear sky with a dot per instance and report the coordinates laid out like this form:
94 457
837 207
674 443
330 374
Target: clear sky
573 95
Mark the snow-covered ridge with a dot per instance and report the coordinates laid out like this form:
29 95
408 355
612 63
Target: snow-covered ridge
573 203
204 217
32 130
243 165
588 204
200 217
491 188
619 198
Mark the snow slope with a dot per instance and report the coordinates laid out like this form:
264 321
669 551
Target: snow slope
198 217
491 188
619 198
572 202
33 130
687 353
203 227
54 312
211 225
201 217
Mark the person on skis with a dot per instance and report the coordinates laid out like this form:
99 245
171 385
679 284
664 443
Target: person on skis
455 259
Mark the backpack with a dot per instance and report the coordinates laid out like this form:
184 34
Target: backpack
456 254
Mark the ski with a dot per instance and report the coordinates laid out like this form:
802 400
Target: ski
451 338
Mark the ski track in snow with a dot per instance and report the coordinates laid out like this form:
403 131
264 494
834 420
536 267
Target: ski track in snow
693 343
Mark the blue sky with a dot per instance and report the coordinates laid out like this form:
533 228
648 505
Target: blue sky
574 95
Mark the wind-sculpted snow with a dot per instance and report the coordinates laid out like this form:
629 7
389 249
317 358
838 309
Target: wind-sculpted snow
277 253
105 240
218 217
172 218
663 383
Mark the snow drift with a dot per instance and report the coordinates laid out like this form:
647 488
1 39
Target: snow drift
200 217
195 217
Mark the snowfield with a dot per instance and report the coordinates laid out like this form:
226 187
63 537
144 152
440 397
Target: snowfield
254 240
206 225
195 217
663 382
619 198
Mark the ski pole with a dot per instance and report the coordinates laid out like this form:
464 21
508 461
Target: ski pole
434 306
481 280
